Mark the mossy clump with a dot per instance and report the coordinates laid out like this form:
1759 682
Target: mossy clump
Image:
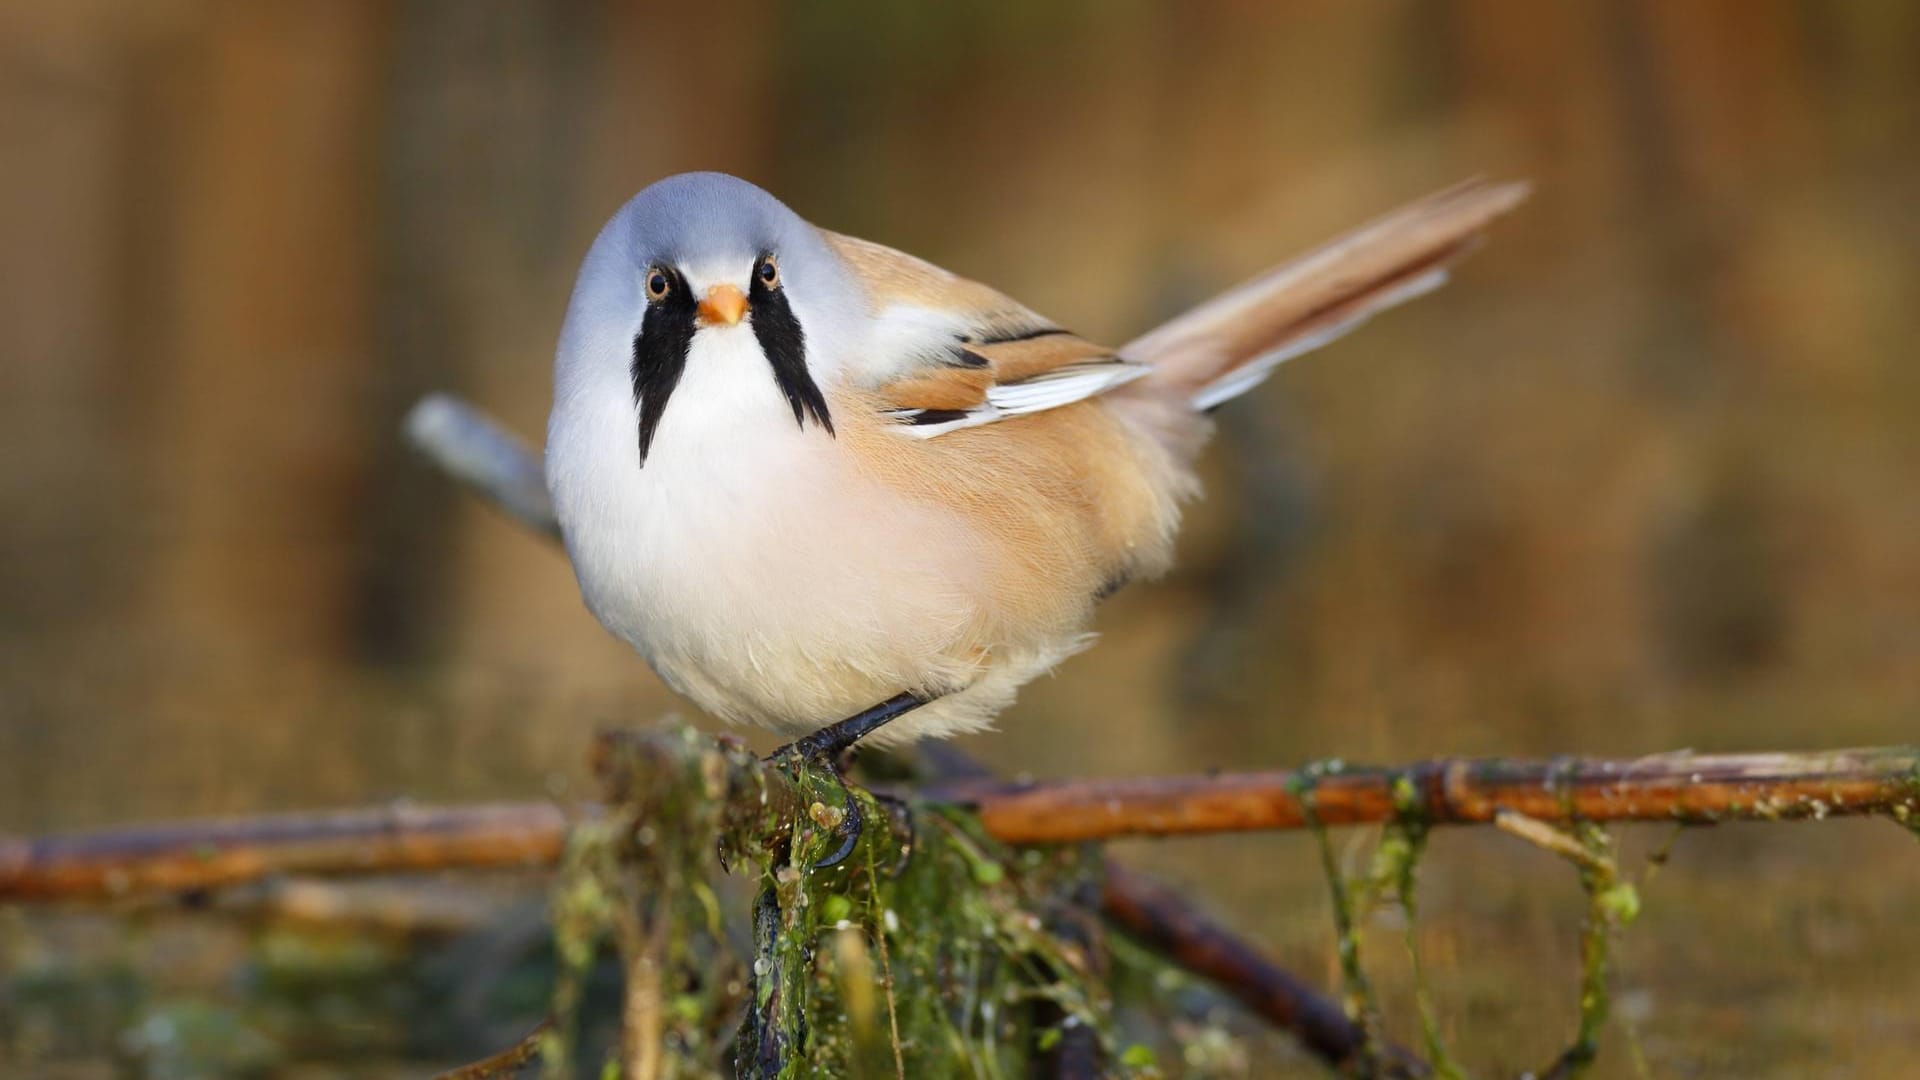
641 875
930 950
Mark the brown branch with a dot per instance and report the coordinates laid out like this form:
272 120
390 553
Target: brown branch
1673 787
1687 788
193 855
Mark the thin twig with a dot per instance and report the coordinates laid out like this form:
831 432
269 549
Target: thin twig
1543 836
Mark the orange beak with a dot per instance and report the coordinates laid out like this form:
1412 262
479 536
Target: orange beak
724 306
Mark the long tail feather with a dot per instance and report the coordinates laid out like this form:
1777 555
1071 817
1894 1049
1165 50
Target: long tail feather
1226 346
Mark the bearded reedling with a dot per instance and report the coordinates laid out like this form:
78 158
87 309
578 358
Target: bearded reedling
827 487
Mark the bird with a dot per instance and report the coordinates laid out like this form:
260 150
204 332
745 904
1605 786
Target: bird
830 488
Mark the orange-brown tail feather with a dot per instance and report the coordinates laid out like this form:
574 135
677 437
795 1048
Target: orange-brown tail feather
1229 344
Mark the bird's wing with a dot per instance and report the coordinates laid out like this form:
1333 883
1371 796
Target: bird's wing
951 353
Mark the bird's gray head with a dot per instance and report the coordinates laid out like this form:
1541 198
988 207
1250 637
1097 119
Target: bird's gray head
706 257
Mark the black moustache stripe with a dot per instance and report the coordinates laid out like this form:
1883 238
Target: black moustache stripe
660 355
785 345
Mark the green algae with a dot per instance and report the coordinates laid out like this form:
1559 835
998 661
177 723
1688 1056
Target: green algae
1611 905
1391 876
1351 902
1395 868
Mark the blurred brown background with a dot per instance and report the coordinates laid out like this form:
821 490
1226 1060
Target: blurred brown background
1641 479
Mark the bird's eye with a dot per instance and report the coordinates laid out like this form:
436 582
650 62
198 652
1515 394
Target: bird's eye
768 272
657 284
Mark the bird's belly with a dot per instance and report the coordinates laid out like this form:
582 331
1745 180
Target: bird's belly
796 612
761 575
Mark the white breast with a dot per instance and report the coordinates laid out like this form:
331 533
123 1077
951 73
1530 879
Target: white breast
749 561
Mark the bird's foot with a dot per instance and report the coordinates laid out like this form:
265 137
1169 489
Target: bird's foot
823 749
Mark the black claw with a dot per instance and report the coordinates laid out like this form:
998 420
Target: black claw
824 747
848 831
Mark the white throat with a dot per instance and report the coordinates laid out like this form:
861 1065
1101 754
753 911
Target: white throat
727 471
726 397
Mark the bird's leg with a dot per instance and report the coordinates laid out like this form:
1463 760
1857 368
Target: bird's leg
831 741
825 746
